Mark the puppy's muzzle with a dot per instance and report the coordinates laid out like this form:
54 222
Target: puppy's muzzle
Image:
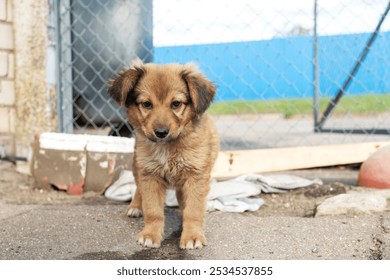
161 132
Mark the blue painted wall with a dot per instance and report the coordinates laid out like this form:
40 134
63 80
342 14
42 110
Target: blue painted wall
283 68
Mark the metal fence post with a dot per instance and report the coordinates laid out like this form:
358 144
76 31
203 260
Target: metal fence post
333 103
64 71
56 6
315 71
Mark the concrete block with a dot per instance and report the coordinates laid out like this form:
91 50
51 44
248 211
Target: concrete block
21 150
4 120
3 9
7 92
7 143
80 163
7 120
11 66
3 64
10 12
12 120
352 204
7 36
375 171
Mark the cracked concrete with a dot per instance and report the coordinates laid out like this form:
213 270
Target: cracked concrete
386 237
104 232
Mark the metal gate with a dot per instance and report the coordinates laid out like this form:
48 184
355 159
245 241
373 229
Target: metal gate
95 40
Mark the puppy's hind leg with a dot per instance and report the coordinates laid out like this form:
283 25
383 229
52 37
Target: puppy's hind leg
135 208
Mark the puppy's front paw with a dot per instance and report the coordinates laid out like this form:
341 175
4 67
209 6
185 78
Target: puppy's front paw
149 240
192 241
133 212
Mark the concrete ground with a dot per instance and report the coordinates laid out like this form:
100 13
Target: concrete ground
53 225
102 232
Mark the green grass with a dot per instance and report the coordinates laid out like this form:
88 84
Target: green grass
361 104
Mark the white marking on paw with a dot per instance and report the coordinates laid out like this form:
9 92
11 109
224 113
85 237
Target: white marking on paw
198 244
190 245
148 243
134 212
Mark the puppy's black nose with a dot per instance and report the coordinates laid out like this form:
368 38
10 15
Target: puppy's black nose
161 132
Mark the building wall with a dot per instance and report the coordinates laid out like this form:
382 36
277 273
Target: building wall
283 67
28 96
7 77
35 98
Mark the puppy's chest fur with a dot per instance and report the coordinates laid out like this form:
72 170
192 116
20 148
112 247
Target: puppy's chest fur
169 163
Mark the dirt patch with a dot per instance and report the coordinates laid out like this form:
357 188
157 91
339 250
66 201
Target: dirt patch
299 202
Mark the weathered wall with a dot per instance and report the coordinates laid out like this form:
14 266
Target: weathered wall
35 98
7 85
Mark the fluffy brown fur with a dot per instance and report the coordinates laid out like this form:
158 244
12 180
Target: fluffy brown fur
176 145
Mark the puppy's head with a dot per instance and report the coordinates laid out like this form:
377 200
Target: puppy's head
162 100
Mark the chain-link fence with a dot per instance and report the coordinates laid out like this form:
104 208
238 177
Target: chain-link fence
97 39
288 72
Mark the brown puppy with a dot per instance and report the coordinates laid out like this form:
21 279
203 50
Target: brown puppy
176 145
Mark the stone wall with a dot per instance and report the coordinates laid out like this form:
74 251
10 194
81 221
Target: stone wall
7 77
27 97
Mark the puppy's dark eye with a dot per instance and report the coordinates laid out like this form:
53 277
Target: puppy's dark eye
147 105
175 104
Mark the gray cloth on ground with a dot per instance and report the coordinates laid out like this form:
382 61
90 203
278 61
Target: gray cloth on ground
234 195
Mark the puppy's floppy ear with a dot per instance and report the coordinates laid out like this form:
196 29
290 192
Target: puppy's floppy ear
201 90
121 87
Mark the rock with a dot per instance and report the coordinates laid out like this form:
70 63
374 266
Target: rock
375 171
352 204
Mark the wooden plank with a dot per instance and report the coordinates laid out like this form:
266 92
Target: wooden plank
235 163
